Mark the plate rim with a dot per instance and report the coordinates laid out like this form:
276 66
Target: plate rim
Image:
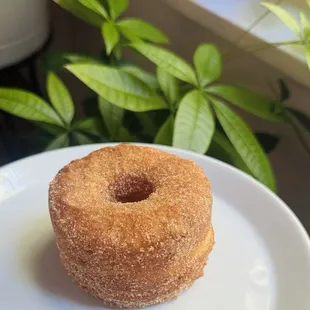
216 166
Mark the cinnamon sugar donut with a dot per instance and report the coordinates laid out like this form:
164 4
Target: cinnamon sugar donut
132 224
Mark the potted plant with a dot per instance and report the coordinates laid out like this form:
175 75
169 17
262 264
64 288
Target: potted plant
183 104
24 27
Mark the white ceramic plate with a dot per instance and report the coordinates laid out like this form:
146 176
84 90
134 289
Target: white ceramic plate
261 259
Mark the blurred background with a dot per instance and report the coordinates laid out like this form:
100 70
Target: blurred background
37 26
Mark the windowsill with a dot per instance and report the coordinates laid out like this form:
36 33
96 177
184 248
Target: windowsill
231 18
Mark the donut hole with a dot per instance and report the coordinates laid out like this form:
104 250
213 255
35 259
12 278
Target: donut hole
132 188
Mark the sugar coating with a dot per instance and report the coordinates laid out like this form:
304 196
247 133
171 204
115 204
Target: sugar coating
132 254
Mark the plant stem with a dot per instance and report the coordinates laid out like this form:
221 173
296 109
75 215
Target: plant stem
275 45
268 46
255 23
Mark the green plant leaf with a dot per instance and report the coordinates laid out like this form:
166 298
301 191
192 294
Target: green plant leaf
307 49
222 149
125 136
129 36
82 139
28 106
79 58
90 125
305 25
81 11
267 141
60 98
308 1
284 16
301 117
117 7
110 35
118 52
146 77
118 87
168 61
165 133
194 124
245 143
95 6
169 85
208 63
279 104
138 28
112 116
306 31
50 128
59 142
247 100
55 61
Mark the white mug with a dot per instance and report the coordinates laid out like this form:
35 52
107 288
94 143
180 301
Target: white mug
24 27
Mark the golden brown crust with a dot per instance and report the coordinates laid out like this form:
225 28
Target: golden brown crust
132 254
